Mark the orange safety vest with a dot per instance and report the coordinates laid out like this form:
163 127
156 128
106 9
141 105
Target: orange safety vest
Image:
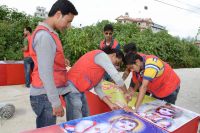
145 55
85 73
26 53
59 69
103 44
165 84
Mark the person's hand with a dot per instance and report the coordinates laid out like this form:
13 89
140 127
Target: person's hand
23 49
131 91
114 106
58 111
122 88
67 62
129 109
128 97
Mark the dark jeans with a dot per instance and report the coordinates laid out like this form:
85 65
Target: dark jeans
43 109
28 67
172 97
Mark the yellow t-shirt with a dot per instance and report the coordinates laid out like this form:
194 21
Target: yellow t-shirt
154 67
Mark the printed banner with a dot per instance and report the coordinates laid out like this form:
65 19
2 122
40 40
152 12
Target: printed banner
164 115
116 96
111 122
169 117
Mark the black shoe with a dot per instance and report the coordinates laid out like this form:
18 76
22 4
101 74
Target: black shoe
27 86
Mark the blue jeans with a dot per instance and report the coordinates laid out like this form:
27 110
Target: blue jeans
28 67
172 97
77 106
43 109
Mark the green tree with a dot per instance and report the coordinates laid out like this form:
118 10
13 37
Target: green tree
77 41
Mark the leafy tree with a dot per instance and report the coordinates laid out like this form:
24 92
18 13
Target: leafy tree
78 41
12 24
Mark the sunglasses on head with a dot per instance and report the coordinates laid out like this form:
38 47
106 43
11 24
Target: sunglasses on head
110 33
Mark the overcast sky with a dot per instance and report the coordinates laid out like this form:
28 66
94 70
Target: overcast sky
179 22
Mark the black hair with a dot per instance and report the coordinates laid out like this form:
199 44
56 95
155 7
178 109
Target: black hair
64 6
119 53
28 29
108 27
130 47
131 58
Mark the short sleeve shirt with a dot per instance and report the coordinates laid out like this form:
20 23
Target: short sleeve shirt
154 67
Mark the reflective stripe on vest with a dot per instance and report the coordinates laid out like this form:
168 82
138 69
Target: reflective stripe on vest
59 71
27 53
85 73
114 45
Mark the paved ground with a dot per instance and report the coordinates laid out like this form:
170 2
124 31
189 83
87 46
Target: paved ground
24 118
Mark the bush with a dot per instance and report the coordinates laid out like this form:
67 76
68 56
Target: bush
78 41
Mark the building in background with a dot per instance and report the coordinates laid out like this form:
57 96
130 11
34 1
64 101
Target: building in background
143 23
197 38
41 12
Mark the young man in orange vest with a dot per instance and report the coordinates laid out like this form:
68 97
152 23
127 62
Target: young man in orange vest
109 41
49 74
87 73
28 62
134 84
131 47
155 76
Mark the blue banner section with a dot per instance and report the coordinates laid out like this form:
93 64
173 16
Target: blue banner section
117 121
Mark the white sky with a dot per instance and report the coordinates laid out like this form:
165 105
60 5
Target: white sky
178 22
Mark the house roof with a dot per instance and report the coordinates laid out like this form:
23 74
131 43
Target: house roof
148 20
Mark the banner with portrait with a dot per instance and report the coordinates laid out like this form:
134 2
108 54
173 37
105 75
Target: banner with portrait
117 121
165 115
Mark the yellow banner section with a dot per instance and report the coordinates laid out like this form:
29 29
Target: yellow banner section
116 96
